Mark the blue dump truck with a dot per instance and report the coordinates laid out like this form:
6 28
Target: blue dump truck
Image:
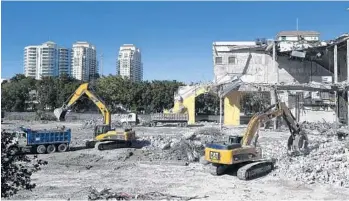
40 141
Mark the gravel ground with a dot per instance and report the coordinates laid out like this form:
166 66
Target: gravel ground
165 159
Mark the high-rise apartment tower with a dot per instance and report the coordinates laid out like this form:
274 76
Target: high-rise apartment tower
129 63
46 60
84 61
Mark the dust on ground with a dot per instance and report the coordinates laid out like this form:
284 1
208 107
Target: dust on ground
166 160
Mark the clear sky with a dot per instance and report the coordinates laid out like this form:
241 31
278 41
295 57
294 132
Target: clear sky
175 38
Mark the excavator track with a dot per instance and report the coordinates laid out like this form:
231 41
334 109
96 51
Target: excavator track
107 145
255 169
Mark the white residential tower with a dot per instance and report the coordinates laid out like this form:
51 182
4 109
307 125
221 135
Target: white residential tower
83 61
129 63
45 60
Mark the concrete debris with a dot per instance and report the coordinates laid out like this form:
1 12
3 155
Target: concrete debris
162 196
325 128
342 133
327 162
106 194
188 147
90 123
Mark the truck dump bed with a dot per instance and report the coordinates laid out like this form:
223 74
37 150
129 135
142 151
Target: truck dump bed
161 117
56 136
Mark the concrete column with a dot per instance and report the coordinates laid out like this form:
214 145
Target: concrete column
335 66
297 106
189 103
276 69
232 109
273 95
220 106
273 101
220 112
348 80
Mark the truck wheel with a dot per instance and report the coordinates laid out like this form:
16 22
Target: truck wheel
41 149
62 147
51 148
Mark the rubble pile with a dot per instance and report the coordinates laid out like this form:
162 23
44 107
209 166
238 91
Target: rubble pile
91 123
106 194
327 161
324 128
189 147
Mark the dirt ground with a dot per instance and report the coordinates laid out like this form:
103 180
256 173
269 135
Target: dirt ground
153 167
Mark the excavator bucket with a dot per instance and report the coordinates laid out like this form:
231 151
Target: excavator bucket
60 113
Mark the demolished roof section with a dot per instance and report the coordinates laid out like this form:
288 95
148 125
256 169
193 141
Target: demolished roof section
298 33
288 41
230 46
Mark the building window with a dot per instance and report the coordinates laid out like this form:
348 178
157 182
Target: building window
283 38
232 60
218 60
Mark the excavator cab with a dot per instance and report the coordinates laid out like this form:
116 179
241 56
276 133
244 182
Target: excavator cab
101 129
234 139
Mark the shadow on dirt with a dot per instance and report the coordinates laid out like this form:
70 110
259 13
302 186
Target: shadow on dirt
232 171
137 144
7 123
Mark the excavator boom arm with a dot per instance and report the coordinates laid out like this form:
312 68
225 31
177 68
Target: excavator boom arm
80 91
266 115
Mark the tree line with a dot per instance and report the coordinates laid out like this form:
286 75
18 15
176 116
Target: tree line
22 93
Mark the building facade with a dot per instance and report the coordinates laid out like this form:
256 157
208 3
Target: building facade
46 60
129 63
255 65
64 61
83 61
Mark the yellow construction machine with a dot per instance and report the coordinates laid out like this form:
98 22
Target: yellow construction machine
105 137
241 152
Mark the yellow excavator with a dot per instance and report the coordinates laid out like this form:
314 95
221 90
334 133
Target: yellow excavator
241 152
104 136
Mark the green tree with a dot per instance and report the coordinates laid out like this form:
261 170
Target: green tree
52 92
16 92
16 170
47 93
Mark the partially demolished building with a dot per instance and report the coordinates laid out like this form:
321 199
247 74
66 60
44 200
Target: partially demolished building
295 61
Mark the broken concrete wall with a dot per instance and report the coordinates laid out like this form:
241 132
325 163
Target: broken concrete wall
295 71
257 67
253 65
